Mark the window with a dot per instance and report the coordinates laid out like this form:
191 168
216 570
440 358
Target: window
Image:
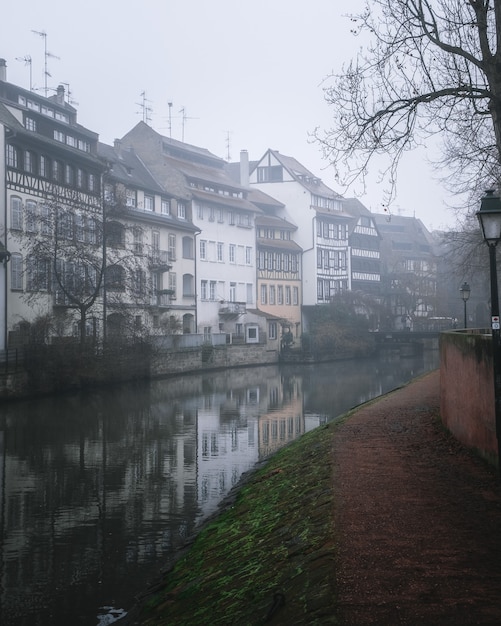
220 252
69 175
295 296
203 250
211 214
30 124
250 293
233 292
149 203
203 290
187 248
83 145
130 197
56 170
181 210
91 183
16 213
248 255
59 136
12 158
272 330
231 218
200 212
137 234
173 284
91 230
155 240
80 178
71 141
232 253
264 293
220 216
165 207
272 294
16 272
172 247
188 283
45 221
116 235
280 294
43 168
37 271
115 278
28 161
288 299
272 173
31 216
212 290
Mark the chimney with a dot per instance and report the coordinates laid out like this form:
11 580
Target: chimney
3 70
60 94
117 144
244 168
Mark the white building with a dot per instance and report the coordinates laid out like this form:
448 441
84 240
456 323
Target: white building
219 208
322 225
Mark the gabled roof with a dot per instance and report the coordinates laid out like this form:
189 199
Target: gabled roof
127 168
403 229
301 174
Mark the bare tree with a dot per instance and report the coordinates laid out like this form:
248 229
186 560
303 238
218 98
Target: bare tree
78 254
432 68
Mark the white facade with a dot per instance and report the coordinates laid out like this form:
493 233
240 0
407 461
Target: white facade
322 226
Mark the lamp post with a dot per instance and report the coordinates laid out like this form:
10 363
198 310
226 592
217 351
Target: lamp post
465 295
489 217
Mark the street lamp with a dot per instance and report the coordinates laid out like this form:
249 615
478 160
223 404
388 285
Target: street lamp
489 217
465 294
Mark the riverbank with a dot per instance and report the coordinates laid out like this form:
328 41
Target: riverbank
378 518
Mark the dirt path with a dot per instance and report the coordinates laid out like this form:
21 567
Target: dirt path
418 519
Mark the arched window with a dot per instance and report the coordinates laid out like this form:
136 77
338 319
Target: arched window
115 235
188 285
115 278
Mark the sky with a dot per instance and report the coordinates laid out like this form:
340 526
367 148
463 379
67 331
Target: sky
239 76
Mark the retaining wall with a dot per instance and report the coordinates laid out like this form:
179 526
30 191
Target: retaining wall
467 389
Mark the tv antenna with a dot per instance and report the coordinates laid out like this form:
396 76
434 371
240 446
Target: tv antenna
184 117
170 119
146 110
47 55
27 61
69 99
228 143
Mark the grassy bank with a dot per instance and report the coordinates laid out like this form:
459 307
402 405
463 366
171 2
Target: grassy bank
268 557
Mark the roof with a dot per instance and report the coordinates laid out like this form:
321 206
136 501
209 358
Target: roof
279 244
127 168
302 175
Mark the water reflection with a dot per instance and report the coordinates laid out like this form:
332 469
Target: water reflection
99 489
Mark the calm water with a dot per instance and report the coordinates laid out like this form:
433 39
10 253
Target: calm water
99 489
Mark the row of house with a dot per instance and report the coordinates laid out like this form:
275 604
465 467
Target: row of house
154 235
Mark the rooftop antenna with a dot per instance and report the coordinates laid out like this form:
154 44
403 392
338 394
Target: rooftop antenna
43 34
27 61
145 109
184 118
170 119
69 99
228 155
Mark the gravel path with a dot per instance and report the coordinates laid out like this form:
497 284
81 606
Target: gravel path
418 518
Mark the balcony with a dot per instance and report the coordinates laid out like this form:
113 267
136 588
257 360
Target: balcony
160 261
232 309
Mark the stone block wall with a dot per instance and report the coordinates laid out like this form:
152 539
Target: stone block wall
467 389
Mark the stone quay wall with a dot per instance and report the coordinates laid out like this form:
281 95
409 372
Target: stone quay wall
467 389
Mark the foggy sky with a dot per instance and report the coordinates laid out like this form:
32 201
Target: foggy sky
248 75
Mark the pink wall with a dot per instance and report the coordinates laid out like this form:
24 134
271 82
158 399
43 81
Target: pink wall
467 389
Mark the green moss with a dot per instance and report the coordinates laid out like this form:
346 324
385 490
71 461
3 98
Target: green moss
262 545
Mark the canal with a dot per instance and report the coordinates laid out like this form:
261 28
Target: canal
98 490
